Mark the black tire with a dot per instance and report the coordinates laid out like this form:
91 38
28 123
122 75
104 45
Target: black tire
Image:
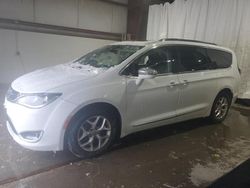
80 121
214 117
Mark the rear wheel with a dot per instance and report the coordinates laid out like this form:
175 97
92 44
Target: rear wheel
220 108
92 134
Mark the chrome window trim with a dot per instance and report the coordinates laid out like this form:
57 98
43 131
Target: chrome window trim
155 46
158 75
207 70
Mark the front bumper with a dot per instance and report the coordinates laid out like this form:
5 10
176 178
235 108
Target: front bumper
49 121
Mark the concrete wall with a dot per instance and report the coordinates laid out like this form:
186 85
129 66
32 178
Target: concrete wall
22 52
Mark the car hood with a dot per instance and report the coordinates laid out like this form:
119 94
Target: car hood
52 77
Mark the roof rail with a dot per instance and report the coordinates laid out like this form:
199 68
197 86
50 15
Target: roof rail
185 40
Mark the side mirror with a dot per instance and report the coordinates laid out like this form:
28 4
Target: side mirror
146 73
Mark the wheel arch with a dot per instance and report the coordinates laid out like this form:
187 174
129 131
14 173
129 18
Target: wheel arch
228 91
93 106
224 91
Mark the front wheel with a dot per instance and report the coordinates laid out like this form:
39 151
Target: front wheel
91 134
220 108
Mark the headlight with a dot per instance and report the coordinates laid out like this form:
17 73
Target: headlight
38 100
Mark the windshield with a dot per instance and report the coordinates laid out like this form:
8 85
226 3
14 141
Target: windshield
108 56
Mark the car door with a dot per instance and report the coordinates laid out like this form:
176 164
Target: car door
156 99
198 83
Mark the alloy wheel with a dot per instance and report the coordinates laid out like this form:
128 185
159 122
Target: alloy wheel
221 107
94 133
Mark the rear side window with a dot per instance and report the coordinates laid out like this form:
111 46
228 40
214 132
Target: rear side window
193 59
220 58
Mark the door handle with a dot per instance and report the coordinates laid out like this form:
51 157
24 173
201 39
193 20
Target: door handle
185 82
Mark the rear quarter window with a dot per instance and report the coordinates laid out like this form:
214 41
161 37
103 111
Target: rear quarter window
222 59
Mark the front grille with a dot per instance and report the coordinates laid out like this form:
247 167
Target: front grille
12 95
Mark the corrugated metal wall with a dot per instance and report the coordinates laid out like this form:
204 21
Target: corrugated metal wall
22 52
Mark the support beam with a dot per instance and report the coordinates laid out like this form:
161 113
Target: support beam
137 19
152 2
58 30
115 3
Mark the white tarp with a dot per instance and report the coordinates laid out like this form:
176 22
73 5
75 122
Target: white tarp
225 22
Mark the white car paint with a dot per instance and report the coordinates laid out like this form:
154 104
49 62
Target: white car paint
131 96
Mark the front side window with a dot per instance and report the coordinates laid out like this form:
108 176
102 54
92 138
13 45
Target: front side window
108 56
160 59
220 58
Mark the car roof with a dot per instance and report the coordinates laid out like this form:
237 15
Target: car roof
145 43
173 41
185 40
134 43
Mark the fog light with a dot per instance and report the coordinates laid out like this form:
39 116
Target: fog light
32 136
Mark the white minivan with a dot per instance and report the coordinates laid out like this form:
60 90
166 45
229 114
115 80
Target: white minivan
85 105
